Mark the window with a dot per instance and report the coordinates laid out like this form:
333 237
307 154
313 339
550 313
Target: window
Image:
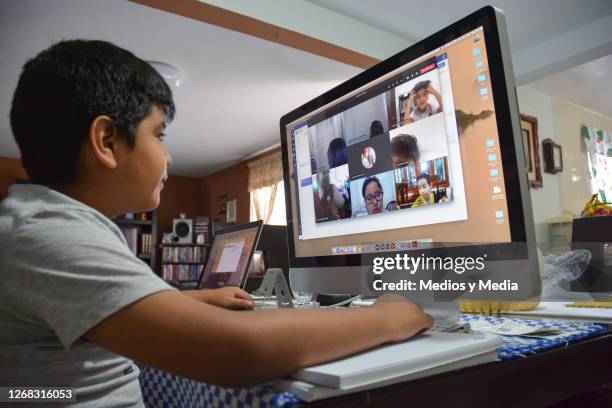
598 144
267 190
260 204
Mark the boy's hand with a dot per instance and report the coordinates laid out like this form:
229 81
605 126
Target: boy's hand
407 319
430 89
229 297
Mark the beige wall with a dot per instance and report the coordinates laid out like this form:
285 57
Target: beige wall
574 178
560 121
546 201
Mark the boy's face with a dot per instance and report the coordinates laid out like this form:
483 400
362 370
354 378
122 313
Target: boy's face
424 187
421 98
143 169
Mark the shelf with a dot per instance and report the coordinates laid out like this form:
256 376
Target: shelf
183 245
134 222
182 281
182 263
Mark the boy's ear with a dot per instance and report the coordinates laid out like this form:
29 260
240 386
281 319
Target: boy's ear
103 141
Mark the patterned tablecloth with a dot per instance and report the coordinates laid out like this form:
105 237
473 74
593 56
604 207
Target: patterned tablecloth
164 390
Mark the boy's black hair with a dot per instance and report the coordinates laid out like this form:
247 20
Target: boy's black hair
368 181
64 88
376 128
420 86
336 153
424 176
405 147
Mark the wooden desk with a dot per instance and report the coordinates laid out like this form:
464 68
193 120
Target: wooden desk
536 381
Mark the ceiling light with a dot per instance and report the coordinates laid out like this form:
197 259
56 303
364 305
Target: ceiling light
170 73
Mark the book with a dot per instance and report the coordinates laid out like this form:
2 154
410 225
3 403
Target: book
422 353
312 392
131 237
187 254
182 273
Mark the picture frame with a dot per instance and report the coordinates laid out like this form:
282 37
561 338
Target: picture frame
553 156
529 131
222 204
231 211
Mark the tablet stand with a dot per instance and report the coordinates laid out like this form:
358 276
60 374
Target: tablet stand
274 282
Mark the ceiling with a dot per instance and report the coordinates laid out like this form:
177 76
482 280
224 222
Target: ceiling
529 21
588 85
236 87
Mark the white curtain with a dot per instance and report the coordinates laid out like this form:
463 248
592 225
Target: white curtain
265 179
598 143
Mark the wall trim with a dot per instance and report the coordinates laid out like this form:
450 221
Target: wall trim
220 17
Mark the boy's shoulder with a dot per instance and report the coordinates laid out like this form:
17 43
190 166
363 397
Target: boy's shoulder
32 213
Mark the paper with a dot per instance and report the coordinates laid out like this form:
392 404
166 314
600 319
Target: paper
511 328
230 257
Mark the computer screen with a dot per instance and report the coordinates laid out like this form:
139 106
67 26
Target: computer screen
407 160
230 256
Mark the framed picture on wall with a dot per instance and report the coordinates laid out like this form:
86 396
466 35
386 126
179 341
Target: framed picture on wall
529 130
231 211
553 156
222 204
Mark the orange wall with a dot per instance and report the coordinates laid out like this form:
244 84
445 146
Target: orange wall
10 171
180 195
189 195
232 182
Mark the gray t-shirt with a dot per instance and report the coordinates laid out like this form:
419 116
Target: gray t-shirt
65 267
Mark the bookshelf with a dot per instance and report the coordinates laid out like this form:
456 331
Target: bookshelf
140 231
183 263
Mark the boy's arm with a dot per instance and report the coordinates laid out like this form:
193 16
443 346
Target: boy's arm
175 333
408 111
437 95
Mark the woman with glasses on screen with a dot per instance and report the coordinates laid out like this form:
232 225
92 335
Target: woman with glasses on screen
373 194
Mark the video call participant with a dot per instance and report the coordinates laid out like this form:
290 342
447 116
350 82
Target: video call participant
336 153
426 196
373 194
376 128
368 157
330 202
418 106
404 150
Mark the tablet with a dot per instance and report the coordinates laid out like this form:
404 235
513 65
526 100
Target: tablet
230 256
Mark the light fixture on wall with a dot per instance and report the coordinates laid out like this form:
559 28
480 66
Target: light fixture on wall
170 73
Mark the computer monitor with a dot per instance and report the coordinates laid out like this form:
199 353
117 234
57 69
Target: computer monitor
423 151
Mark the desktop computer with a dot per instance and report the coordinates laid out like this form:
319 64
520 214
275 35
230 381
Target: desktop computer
420 156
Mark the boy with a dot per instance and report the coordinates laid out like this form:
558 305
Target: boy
75 304
419 96
404 150
426 196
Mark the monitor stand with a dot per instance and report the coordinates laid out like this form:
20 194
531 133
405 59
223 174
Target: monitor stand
274 283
